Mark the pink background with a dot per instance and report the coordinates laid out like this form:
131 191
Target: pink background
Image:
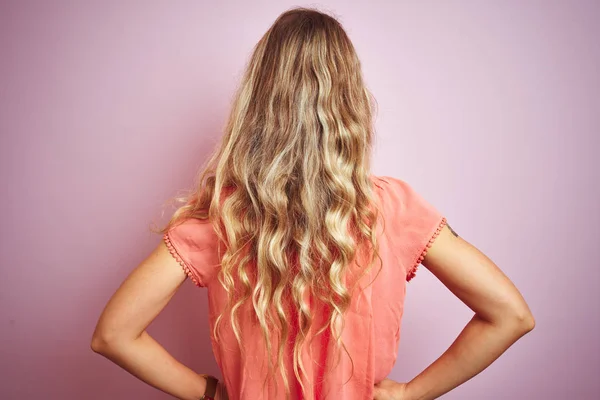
490 109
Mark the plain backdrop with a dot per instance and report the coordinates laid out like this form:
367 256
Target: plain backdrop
491 110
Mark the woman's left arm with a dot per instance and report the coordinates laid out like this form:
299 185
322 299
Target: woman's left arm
121 336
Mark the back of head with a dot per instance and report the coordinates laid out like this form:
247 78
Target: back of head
296 152
302 111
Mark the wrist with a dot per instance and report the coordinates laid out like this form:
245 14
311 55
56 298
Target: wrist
210 390
410 392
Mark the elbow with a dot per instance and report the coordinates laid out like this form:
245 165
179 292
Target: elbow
109 342
103 343
521 320
99 344
527 321
514 318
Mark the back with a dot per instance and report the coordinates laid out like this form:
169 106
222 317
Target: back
371 326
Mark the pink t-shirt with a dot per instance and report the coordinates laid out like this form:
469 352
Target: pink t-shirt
372 324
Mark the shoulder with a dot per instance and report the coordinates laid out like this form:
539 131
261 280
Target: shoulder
402 205
194 232
192 242
389 182
411 221
394 191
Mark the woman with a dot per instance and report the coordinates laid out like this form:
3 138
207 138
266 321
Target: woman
304 253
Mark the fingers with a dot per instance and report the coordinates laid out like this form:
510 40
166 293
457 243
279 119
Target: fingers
221 392
376 393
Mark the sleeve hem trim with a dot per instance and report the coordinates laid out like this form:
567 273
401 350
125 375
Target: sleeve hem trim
181 261
413 269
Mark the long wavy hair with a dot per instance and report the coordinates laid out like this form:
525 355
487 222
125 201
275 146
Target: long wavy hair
295 161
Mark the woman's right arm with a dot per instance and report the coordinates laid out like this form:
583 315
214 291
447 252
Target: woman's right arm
501 315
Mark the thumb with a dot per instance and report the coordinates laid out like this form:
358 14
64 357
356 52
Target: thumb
376 392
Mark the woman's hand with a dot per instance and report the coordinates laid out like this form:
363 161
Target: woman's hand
388 389
221 392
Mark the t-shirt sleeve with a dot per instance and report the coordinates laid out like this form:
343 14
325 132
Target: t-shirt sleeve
411 223
191 243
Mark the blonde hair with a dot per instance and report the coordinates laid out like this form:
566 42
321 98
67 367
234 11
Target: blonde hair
296 154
